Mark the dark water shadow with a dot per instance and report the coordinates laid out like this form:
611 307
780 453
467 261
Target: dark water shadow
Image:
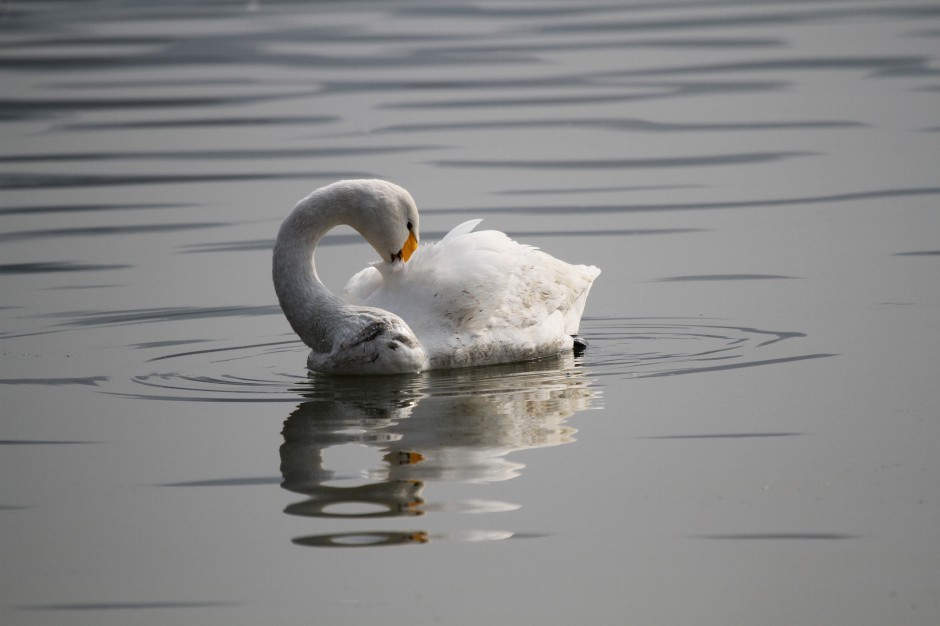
720 277
741 20
22 181
90 381
203 122
711 160
594 43
591 190
881 66
106 231
211 155
124 606
640 91
756 435
228 482
153 315
50 267
586 209
80 287
86 208
91 319
240 48
42 442
918 253
617 124
166 343
13 109
779 536
748 364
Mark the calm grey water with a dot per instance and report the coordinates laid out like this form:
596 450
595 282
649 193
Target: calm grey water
750 439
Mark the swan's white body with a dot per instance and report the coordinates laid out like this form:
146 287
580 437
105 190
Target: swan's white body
473 298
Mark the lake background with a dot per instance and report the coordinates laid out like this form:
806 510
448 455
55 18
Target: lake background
750 439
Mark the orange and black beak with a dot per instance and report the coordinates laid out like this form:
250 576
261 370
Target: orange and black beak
411 244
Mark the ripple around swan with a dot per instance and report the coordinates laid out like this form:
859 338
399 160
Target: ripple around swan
274 371
647 348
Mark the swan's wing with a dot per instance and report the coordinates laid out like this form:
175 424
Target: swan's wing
502 284
362 285
471 284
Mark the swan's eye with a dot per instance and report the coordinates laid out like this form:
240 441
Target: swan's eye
410 226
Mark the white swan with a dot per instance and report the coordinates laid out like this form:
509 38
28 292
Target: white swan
473 298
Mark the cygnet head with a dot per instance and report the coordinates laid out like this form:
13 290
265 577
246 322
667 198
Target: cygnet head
384 213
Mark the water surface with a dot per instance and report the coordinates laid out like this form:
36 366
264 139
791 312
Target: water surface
749 439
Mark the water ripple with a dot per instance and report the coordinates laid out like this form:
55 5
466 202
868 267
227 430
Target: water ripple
650 348
203 122
709 160
210 155
698 206
625 348
47 267
23 180
618 124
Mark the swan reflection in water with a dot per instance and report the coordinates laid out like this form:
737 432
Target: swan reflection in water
456 425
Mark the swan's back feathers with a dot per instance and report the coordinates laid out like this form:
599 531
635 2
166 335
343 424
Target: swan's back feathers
480 296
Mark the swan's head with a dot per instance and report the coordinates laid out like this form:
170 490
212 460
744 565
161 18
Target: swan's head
384 213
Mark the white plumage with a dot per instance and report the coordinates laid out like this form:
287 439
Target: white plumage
473 298
480 297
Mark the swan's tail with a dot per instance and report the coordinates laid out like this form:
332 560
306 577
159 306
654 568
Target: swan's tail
573 316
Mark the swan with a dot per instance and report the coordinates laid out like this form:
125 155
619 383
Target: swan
473 298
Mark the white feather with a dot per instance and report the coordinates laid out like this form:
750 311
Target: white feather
480 297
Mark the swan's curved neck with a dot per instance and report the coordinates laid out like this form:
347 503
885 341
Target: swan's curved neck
312 310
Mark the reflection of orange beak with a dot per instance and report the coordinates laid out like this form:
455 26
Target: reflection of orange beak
410 246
